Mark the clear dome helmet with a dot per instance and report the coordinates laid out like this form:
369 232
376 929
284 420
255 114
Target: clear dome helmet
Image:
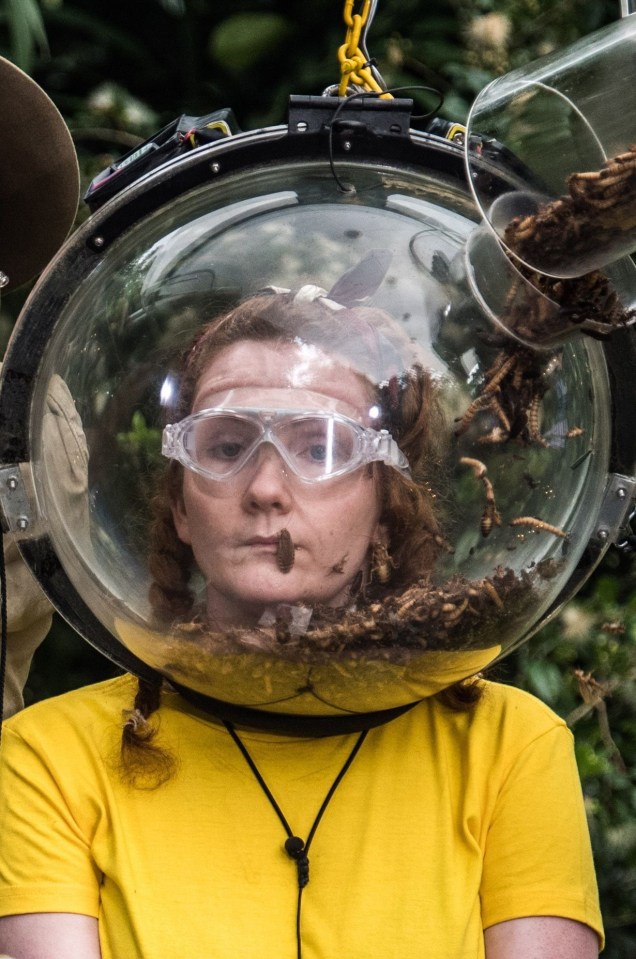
266 434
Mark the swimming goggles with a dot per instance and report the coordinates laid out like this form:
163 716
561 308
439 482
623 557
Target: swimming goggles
315 445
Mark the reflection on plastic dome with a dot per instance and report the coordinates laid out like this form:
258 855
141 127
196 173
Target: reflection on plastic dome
366 493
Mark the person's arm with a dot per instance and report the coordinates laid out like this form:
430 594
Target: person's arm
49 881
29 618
49 936
541 937
538 859
29 612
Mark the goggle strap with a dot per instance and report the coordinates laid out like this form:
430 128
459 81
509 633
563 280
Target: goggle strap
387 450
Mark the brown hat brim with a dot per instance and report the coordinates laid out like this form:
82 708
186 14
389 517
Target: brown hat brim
39 177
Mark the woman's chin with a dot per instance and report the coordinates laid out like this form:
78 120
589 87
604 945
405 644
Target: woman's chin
247 603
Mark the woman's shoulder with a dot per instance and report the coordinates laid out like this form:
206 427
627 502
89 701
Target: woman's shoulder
505 726
514 702
508 713
503 716
101 702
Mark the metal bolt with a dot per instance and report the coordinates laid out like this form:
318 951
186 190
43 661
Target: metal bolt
603 535
347 145
621 492
22 522
12 483
459 138
215 167
98 242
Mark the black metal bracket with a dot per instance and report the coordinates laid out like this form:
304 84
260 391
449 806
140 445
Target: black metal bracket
365 116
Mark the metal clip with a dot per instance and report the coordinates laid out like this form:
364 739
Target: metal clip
616 510
14 500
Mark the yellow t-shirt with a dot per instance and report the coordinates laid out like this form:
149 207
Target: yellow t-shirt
445 823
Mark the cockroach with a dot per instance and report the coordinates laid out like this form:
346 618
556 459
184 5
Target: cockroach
548 568
490 516
285 551
381 563
340 565
533 414
492 592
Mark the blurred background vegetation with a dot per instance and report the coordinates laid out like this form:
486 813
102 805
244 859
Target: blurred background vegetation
118 71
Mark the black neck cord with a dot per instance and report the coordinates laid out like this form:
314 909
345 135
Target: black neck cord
295 848
289 724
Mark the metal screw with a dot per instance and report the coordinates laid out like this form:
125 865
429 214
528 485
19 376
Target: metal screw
603 535
346 145
621 492
22 522
12 483
98 242
215 167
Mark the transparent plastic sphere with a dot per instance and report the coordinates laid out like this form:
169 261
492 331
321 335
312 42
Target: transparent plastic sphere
382 493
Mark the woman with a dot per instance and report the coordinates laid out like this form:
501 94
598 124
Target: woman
300 491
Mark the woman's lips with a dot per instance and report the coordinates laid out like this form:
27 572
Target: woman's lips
263 541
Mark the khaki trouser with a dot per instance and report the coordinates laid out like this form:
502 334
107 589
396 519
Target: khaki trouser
29 611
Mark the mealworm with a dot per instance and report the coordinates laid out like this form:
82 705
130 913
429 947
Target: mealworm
285 552
538 524
492 592
477 466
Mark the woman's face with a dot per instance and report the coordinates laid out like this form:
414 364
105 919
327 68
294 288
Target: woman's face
233 526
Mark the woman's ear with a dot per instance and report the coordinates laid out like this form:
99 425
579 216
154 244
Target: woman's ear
180 520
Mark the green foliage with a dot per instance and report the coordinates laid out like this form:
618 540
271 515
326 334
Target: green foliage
583 665
140 456
26 29
142 443
247 40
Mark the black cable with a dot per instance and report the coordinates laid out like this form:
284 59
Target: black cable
3 629
295 847
343 187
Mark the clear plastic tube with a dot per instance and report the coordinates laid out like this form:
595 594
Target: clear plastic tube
565 126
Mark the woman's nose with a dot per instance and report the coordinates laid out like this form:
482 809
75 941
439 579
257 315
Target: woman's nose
267 485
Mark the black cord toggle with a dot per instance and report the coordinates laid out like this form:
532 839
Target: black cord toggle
295 849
